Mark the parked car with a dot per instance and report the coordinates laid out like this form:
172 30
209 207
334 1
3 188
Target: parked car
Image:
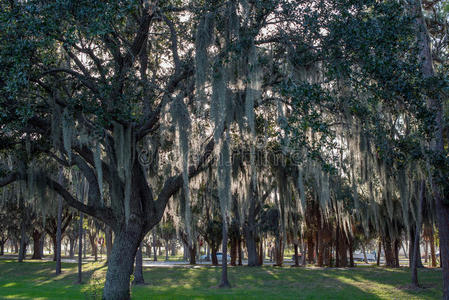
219 257
299 257
358 256
371 257
205 257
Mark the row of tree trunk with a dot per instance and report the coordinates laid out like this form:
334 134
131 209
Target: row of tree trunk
319 243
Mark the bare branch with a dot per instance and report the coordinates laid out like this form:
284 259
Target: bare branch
102 213
141 36
85 80
8 179
174 43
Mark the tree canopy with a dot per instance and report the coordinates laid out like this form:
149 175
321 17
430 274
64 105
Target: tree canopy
286 112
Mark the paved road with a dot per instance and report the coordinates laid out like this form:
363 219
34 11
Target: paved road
170 264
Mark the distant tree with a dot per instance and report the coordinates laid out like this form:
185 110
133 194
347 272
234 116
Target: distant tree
51 227
211 231
168 232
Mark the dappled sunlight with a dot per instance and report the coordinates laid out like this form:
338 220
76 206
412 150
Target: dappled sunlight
369 286
18 296
299 130
379 283
264 282
9 284
38 281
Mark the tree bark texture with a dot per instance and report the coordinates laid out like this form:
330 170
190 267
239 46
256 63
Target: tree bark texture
437 145
37 236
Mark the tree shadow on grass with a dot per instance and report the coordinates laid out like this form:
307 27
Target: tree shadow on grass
304 283
32 280
247 283
36 279
389 283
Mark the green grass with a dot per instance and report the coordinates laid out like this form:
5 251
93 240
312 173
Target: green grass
36 280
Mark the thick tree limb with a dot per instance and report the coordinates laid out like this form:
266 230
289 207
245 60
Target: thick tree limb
86 81
174 43
140 38
174 183
8 179
151 120
102 213
94 191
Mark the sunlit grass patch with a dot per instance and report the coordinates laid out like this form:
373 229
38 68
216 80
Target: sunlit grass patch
37 280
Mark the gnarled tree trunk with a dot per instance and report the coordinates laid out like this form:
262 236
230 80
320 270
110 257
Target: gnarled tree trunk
72 246
250 238
93 243
388 250
54 242
2 247
233 251
379 252
192 254
224 283
214 256
310 247
432 248
167 243
351 253
240 252
22 251
121 262
411 245
437 145
59 232
343 251
154 246
396 244
279 252
296 254
108 240
260 253
37 235
414 268
173 248
320 259
80 249
138 271
42 244
249 228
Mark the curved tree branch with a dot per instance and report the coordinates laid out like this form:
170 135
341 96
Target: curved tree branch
102 213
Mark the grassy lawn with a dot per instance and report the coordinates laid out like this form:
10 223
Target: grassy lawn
36 280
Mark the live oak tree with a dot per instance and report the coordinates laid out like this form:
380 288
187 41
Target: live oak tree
212 234
5 222
168 232
51 226
94 83
438 178
137 97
